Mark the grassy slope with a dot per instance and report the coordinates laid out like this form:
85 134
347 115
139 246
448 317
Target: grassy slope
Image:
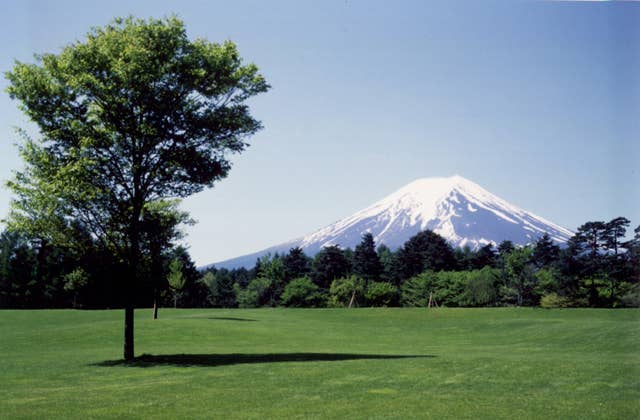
489 363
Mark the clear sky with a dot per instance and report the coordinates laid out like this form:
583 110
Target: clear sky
538 102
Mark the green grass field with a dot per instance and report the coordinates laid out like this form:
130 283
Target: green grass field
361 363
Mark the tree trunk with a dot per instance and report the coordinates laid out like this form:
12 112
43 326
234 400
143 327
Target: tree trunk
155 308
128 332
130 290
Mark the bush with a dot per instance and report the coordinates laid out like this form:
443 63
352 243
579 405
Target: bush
416 290
301 293
381 294
631 299
481 288
257 293
342 290
553 300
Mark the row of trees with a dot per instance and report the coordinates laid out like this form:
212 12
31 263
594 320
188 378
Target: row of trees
597 268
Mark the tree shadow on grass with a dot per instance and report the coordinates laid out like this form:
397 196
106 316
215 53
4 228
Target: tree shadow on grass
212 360
230 318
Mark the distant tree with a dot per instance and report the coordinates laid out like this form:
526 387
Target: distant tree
521 278
296 264
381 294
366 263
545 252
614 233
425 251
136 113
505 247
616 261
302 293
328 265
222 293
417 290
484 257
387 262
75 281
176 279
273 269
257 293
347 291
464 258
481 288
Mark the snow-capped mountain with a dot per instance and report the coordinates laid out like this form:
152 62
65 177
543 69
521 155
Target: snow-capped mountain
459 210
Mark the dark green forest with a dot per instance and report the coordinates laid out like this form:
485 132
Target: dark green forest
598 267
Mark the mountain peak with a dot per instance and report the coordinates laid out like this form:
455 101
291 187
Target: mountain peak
456 208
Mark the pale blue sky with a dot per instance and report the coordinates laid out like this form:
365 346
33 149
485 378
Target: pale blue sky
538 102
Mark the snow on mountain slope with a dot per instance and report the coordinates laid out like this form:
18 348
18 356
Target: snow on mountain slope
459 210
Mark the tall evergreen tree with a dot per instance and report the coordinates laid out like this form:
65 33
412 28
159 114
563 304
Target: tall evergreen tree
425 251
484 257
545 252
329 264
296 264
366 263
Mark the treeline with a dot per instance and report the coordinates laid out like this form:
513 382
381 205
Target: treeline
597 268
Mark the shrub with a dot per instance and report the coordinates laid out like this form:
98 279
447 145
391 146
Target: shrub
342 290
302 292
481 288
416 290
257 293
381 294
631 299
553 300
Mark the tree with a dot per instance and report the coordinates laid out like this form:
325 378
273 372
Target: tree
366 262
346 291
302 293
614 233
484 257
545 252
221 290
176 279
328 265
296 264
75 281
521 278
134 114
425 251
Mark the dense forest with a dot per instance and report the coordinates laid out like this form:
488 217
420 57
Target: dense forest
596 268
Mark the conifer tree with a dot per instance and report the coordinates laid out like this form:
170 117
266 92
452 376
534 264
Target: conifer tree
366 263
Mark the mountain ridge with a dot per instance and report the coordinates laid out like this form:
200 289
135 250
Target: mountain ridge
461 211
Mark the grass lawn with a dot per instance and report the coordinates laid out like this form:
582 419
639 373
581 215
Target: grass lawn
337 363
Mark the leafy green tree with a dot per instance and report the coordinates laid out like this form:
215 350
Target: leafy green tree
347 291
416 290
366 262
134 114
302 293
176 279
481 288
381 294
75 281
222 293
273 269
387 262
257 293
521 279
329 264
